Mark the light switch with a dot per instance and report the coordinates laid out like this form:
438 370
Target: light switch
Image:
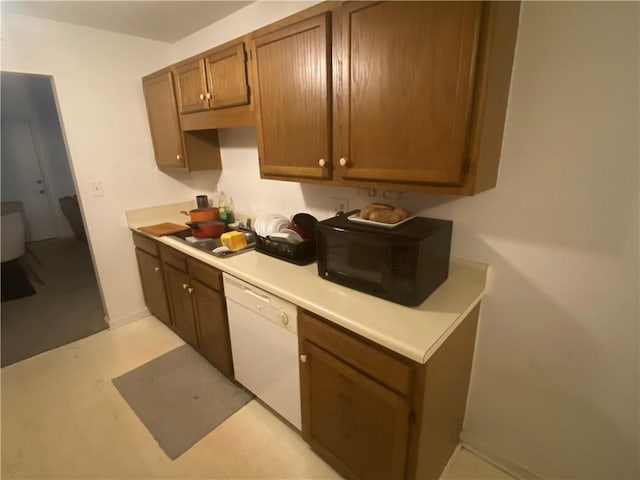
96 189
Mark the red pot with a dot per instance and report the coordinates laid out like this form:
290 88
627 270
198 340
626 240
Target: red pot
207 229
206 214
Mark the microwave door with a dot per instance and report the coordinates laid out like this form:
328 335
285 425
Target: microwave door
358 261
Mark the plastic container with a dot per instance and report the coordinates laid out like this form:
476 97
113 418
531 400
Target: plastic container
233 240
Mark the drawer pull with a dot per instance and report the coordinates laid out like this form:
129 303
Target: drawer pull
303 358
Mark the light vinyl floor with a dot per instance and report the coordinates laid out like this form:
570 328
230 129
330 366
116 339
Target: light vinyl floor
63 418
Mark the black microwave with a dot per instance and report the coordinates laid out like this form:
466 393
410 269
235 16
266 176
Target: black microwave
403 264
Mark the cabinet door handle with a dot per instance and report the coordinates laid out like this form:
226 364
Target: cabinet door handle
157 269
343 162
208 96
190 290
322 162
202 96
184 285
178 157
303 358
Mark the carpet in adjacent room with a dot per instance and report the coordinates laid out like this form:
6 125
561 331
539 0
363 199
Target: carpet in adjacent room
66 308
180 398
14 281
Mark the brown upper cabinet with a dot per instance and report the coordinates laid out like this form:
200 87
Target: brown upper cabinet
163 119
406 82
403 95
217 79
173 147
293 89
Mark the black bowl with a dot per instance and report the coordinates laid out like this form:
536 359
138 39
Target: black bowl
305 222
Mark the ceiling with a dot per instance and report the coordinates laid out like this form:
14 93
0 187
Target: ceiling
166 21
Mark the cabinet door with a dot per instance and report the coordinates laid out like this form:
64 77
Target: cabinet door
163 120
354 422
180 299
405 90
227 77
293 99
155 295
191 86
211 314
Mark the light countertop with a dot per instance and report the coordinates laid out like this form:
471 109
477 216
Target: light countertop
414 332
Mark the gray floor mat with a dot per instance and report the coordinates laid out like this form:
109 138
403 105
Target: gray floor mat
180 398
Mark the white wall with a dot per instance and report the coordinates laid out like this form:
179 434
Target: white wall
241 22
555 381
97 78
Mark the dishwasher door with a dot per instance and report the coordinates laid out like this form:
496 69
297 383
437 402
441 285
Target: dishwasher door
264 346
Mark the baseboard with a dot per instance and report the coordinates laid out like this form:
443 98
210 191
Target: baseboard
497 460
446 468
127 319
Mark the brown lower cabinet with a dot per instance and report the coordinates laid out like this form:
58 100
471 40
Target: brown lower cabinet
198 307
372 413
181 301
369 412
150 268
187 296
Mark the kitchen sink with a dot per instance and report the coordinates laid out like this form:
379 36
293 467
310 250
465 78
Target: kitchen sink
207 245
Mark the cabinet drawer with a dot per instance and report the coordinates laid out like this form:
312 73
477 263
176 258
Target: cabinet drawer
174 258
374 361
206 274
145 243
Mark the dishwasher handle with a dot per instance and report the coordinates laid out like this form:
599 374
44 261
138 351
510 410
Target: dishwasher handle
263 298
264 303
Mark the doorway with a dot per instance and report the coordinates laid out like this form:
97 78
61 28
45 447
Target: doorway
23 179
50 293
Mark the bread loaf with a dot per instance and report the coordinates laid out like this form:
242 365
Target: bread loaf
402 212
365 213
385 216
383 212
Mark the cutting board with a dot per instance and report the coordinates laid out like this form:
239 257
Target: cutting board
162 229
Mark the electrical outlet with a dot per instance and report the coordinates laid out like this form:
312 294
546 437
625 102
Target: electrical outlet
340 204
391 195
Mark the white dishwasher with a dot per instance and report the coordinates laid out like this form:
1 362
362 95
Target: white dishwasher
264 346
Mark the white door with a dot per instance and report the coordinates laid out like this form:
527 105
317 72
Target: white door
22 179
